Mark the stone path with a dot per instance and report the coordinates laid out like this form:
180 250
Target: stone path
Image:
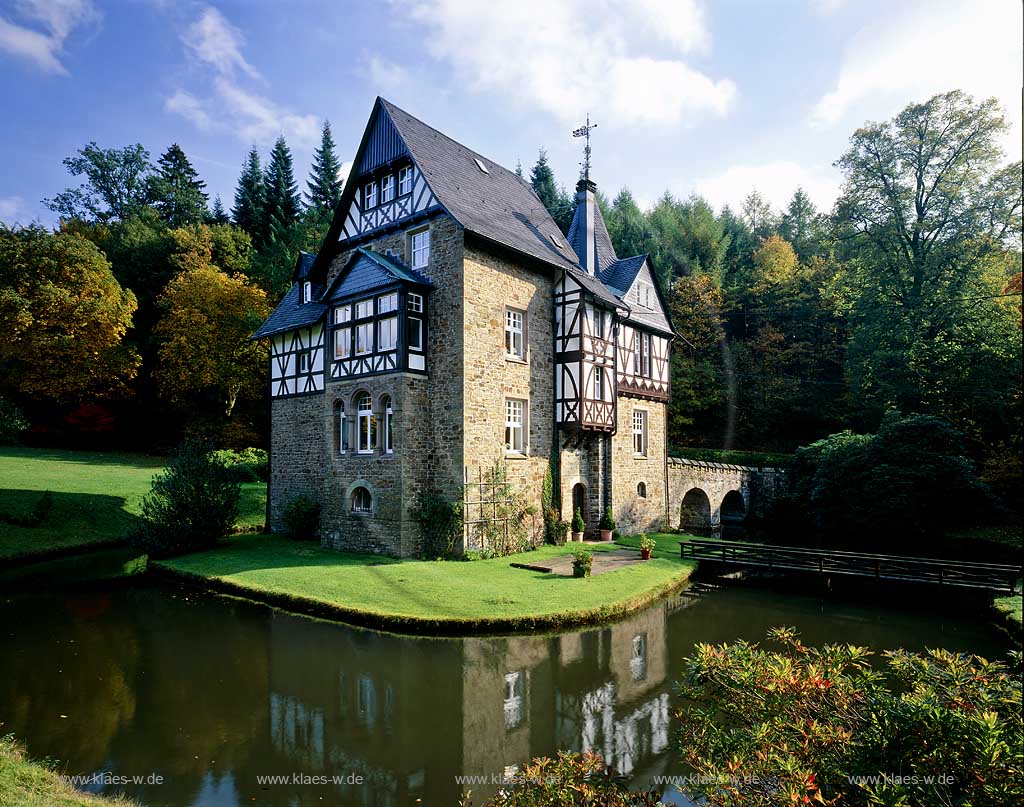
603 562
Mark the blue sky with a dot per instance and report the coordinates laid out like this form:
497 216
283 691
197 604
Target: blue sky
689 95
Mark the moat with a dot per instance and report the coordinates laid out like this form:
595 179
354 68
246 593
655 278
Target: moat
213 694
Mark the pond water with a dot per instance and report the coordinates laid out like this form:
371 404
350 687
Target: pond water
211 693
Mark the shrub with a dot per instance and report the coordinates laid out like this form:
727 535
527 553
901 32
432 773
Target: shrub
569 780
247 465
301 519
647 542
607 520
12 423
578 524
440 523
191 504
582 562
560 532
803 725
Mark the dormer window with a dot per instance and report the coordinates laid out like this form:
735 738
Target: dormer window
387 189
370 195
307 292
405 181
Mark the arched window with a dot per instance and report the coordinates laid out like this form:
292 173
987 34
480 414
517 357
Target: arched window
367 437
641 490
342 425
389 439
362 501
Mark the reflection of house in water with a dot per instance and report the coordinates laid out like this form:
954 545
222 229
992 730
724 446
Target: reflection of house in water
409 715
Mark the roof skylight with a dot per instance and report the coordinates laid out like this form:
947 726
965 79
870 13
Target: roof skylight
480 165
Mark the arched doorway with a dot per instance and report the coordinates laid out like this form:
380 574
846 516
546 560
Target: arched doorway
733 513
695 513
579 500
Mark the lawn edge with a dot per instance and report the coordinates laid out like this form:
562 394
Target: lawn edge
58 552
421 626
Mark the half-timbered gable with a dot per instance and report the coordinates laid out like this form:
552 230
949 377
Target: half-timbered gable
378 317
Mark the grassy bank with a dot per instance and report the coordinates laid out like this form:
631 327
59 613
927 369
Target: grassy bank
24 783
445 597
94 499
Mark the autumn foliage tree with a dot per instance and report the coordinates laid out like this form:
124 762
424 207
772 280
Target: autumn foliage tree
64 317
204 334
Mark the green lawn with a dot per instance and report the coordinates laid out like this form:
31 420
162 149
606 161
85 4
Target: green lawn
96 498
446 596
24 783
665 544
1012 607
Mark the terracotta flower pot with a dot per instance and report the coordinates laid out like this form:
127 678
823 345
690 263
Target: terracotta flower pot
645 554
577 537
606 535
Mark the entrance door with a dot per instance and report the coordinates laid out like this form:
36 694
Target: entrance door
579 500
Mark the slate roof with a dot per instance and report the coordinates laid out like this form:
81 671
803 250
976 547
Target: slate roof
388 270
290 313
396 267
620 274
604 252
496 205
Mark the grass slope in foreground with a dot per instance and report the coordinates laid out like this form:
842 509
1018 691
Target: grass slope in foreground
24 783
414 595
96 498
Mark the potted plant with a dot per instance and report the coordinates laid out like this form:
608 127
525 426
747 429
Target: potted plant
646 546
578 525
607 525
582 561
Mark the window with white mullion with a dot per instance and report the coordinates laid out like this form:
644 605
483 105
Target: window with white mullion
599 383
405 181
389 416
515 426
515 341
367 422
420 248
640 432
370 195
387 334
387 188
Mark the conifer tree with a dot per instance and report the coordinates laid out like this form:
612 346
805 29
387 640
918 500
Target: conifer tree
324 185
282 206
250 197
542 178
177 191
218 215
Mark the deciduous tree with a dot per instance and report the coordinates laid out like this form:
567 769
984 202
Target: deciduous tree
116 186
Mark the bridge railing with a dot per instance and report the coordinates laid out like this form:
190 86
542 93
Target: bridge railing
969 574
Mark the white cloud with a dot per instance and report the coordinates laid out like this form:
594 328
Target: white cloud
216 47
386 77
827 7
572 56
776 180
214 40
57 18
926 48
11 207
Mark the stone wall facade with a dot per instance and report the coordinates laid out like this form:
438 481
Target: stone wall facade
757 486
633 512
296 453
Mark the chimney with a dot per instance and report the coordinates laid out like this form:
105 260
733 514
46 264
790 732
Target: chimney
586 203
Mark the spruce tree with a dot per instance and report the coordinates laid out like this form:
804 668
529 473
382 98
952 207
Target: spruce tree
324 186
282 206
250 198
177 191
218 215
542 178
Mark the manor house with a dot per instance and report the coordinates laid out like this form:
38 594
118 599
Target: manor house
446 324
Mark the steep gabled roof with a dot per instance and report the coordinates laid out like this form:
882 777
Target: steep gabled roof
388 270
604 252
292 313
494 204
620 274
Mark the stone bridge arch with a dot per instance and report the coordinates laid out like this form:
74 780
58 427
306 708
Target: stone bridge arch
731 493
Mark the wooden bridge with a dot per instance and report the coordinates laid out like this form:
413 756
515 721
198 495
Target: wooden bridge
994 576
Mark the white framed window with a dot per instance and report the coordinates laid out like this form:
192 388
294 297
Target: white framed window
307 292
515 426
387 333
342 428
643 294
598 383
362 502
364 339
342 343
414 335
389 417
305 361
370 195
645 355
599 318
342 314
405 180
387 303
414 302
420 249
364 309
367 437
515 334
640 434
387 188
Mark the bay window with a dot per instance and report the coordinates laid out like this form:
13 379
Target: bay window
364 338
387 334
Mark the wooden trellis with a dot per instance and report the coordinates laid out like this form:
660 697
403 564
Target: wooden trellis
489 506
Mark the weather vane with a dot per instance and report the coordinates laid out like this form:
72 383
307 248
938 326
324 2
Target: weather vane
584 131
